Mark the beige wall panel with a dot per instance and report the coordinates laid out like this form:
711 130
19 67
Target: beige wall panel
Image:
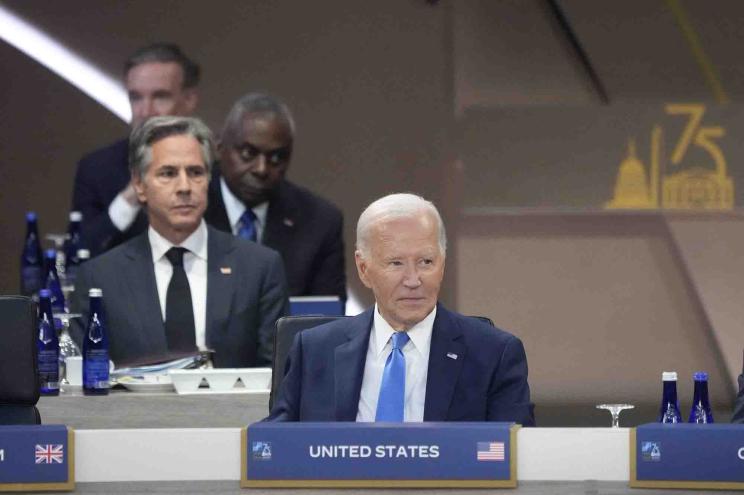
599 300
712 248
512 52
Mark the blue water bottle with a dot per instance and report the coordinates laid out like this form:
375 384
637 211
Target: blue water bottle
32 259
52 282
47 347
669 412
700 411
73 244
95 348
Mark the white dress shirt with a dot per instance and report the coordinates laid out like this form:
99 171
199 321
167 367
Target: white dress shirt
122 213
416 352
195 266
235 209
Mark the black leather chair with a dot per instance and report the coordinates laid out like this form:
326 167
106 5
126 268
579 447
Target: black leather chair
286 329
19 378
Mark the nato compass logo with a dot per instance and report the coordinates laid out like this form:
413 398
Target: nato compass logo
262 451
651 451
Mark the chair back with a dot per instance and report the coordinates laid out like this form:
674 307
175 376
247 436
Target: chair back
19 378
286 329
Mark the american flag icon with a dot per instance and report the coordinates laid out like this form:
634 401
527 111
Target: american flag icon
50 454
490 451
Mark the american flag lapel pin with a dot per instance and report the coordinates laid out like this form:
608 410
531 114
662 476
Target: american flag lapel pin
452 355
225 270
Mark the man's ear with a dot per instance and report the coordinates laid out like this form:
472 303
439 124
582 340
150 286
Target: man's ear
191 98
139 187
220 147
362 268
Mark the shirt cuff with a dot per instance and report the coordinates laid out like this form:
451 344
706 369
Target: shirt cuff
122 213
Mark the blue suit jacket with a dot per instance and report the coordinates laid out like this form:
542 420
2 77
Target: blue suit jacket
100 176
243 303
486 382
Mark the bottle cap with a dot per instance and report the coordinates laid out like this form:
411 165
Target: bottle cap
50 253
83 254
45 293
95 292
76 216
700 376
669 376
31 216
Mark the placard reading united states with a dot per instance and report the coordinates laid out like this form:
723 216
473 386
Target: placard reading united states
379 454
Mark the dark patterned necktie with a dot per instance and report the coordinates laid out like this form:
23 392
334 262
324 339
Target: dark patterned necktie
179 310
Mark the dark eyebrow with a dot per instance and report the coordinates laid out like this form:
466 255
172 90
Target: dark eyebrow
245 144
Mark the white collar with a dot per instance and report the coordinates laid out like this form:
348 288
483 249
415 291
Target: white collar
235 208
196 243
420 333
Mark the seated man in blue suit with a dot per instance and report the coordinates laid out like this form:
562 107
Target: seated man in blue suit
408 358
181 285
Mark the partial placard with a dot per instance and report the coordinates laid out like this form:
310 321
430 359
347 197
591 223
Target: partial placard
687 456
37 458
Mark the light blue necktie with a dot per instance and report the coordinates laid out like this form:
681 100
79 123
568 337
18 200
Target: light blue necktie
391 402
247 226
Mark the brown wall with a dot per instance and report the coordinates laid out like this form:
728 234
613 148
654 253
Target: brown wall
368 83
602 302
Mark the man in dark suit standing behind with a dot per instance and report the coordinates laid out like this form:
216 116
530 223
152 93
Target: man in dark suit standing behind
250 197
408 358
160 80
182 286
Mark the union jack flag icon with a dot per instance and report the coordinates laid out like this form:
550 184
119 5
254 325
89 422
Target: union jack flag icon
50 454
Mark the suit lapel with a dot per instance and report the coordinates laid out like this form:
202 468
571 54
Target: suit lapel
349 366
446 356
216 214
220 285
144 293
281 219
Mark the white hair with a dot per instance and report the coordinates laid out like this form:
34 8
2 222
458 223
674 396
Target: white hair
400 205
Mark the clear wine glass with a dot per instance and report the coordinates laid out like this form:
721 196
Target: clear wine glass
615 410
67 346
59 247
67 291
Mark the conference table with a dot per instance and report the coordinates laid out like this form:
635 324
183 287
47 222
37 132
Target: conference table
130 442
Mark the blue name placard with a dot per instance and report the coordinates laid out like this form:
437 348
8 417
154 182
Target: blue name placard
687 456
379 455
36 457
316 305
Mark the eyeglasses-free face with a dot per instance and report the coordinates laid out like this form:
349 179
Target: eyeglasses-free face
254 167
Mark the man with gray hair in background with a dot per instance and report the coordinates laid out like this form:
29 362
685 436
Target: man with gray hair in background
250 197
408 358
160 80
182 286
